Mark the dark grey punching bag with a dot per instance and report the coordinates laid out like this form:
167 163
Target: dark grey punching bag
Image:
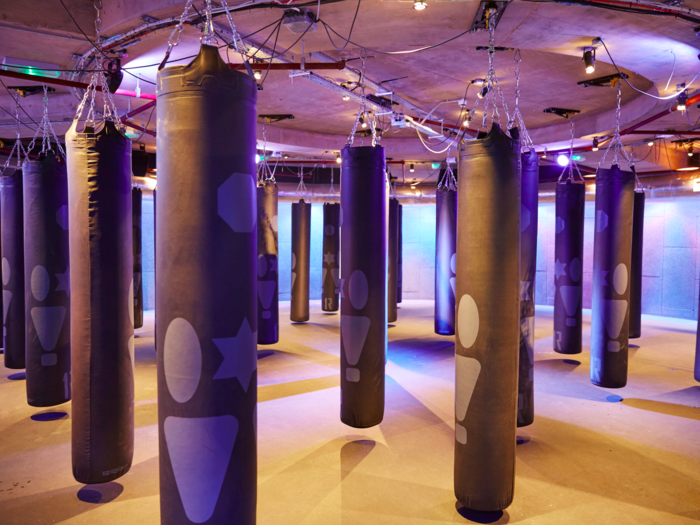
445 260
636 267
47 281
206 307
399 283
530 168
13 269
488 321
331 257
696 374
363 270
612 257
101 301
301 255
568 266
393 253
268 270
136 223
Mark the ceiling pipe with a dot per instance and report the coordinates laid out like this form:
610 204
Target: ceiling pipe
663 132
276 66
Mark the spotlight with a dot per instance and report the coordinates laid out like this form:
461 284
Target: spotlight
362 122
286 156
338 159
419 5
482 93
562 160
589 60
257 158
595 143
544 153
412 168
690 151
682 98
346 98
650 143
257 75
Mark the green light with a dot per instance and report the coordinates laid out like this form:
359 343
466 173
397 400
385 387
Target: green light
435 165
577 157
27 70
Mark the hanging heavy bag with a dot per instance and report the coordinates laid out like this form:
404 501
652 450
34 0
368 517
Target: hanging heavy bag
47 281
268 268
488 321
399 284
636 267
136 223
301 255
331 257
445 260
393 255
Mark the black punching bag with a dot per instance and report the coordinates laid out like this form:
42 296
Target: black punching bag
488 321
612 257
268 270
206 309
568 266
636 267
331 257
12 231
363 268
530 163
393 253
47 281
445 260
102 302
301 248
136 200
399 283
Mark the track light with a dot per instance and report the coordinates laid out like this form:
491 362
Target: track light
338 159
412 168
482 93
562 160
362 122
257 75
690 151
589 59
346 98
595 143
419 5
544 153
650 143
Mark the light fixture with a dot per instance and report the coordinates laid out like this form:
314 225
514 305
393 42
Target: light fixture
544 153
562 160
257 75
257 158
419 5
338 159
690 151
682 98
411 168
595 144
650 143
346 98
31 67
692 165
362 122
482 93
435 165
589 59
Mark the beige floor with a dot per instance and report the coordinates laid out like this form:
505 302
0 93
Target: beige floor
587 459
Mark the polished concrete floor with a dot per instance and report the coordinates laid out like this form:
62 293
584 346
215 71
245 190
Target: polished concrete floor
593 456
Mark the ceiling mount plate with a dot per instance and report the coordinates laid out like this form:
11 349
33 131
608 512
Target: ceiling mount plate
485 11
27 91
607 81
275 118
566 113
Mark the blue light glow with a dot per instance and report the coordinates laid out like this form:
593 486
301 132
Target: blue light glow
562 160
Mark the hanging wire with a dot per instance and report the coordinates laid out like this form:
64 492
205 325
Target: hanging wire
616 143
17 147
572 163
47 130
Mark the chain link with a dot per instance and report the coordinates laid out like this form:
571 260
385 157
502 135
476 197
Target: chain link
47 130
572 163
616 142
448 182
236 36
209 37
174 38
526 140
17 147
109 109
98 22
362 110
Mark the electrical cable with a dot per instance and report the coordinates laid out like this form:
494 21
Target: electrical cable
352 26
274 48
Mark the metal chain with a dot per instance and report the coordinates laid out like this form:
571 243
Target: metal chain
301 188
109 107
17 146
448 182
525 138
47 130
331 190
572 163
208 38
172 40
616 142
362 109
236 36
98 22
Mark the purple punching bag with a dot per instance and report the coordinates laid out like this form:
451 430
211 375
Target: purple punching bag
101 301
301 260
392 254
488 321
47 280
636 267
612 257
568 266
206 308
136 222
399 259
11 217
363 270
445 260
530 164
268 276
331 257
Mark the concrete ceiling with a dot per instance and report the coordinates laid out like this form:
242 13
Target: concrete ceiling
648 48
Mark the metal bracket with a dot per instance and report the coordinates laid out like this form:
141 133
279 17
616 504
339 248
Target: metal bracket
566 113
485 10
27 91
495 48
270 119
602 81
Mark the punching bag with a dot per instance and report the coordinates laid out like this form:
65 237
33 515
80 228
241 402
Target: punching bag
612 258
363 269
136 201
393 253
268 277
568 266
206 306
47 281
301 247
399 283
636 267
530 168
488 321
331 257
12 231
445 260
102 302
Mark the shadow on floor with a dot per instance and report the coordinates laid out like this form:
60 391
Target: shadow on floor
103 493
49 416
476 516
670 409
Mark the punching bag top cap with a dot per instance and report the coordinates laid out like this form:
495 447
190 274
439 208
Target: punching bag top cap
612 175
495 139
206 72
104 130
531 158
362 156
